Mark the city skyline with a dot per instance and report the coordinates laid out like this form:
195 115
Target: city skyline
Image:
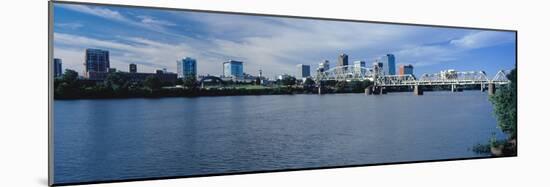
154 39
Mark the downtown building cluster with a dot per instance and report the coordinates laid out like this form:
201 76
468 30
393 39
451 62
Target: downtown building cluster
97 68
385 65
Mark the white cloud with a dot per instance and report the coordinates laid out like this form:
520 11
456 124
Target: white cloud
69 25
97 11
425 55
153 21
275 45
141 21
148 54
483 39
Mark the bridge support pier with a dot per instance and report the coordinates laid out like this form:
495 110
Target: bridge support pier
369 90
374 90
321 88
491 89
418 90
453 88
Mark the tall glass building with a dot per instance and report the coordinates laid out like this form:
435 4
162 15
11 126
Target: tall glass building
57 67
187 67
406 70
342 60
389 64
359 67
233 68
97 60
133 68
324 66
304 71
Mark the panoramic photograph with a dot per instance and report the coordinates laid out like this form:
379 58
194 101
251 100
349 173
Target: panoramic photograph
148 93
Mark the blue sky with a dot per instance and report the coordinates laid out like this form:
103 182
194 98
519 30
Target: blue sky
156 39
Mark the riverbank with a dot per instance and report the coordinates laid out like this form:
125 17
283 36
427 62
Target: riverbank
174 92
106 93
181 92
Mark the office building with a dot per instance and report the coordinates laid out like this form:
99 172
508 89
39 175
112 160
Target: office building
187 67
377 67
342 61
323 66
359 67
389 64
57 67
136 77
233 69
133 68
406 69
283 76
303 71
96 60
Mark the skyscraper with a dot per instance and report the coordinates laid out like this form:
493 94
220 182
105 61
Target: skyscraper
389 64
187 68
57 68
342 61
324 66
133 68
377 67
359 67
406 69
233 68
303 71
96 60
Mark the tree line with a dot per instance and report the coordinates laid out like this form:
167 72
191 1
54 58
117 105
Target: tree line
118 85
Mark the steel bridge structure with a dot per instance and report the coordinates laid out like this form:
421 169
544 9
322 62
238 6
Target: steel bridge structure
345 73
451 78
443 78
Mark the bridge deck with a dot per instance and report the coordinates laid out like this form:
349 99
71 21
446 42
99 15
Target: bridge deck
442 83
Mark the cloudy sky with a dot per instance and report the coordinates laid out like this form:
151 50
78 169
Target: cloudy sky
156 39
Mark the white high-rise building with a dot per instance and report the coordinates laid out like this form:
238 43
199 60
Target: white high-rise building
388 62
324 66
303 71
359 67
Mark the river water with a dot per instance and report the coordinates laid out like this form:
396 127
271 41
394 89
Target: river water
114 139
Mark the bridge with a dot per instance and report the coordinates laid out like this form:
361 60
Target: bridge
345 73
449 78
211 79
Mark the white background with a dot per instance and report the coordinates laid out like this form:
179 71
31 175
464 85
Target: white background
23 79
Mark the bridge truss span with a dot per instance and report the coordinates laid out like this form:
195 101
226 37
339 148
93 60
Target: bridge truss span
443 78
448 77
345 73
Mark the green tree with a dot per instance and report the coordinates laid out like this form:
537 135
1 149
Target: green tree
67 86
190 82
505 106
116 81
340 86
70 76
288 81
309 82
179 81
152 82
